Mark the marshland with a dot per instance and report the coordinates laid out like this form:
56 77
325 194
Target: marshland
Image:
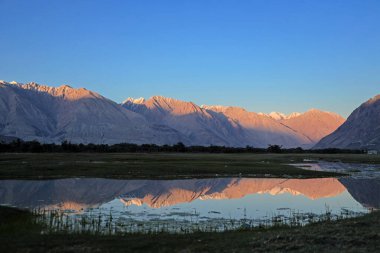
109 202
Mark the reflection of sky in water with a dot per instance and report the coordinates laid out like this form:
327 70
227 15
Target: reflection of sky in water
145 204
195 201
254 206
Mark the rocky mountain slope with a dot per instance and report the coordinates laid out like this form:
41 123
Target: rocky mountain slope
234 126
360 131
54 114
261 130
314 124
197 124
37 112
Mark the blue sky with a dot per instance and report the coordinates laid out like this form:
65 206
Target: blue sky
268 55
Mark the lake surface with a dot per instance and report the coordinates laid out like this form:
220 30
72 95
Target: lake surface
195 204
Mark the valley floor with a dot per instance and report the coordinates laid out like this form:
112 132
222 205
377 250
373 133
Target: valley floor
164 165
18 233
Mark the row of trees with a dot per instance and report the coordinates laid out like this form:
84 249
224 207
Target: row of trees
19 146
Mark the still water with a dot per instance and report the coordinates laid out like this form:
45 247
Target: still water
194 204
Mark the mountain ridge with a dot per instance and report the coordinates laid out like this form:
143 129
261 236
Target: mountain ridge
52 114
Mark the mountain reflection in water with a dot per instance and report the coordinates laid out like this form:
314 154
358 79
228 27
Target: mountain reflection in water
79 194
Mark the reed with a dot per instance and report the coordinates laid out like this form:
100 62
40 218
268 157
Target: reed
58 221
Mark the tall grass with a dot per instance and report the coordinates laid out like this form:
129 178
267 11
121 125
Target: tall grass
56 221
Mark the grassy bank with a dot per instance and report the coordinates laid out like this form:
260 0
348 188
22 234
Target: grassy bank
163 165
18 233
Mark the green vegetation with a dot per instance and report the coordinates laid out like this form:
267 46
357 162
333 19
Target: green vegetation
19 232
163 165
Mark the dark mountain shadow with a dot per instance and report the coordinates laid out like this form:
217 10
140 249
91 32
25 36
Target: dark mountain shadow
365 191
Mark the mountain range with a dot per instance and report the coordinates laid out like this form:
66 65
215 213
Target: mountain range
55 114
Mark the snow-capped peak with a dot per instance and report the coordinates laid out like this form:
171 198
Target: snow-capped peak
277 115
293 115
13 82
219 108
281 116
140 100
